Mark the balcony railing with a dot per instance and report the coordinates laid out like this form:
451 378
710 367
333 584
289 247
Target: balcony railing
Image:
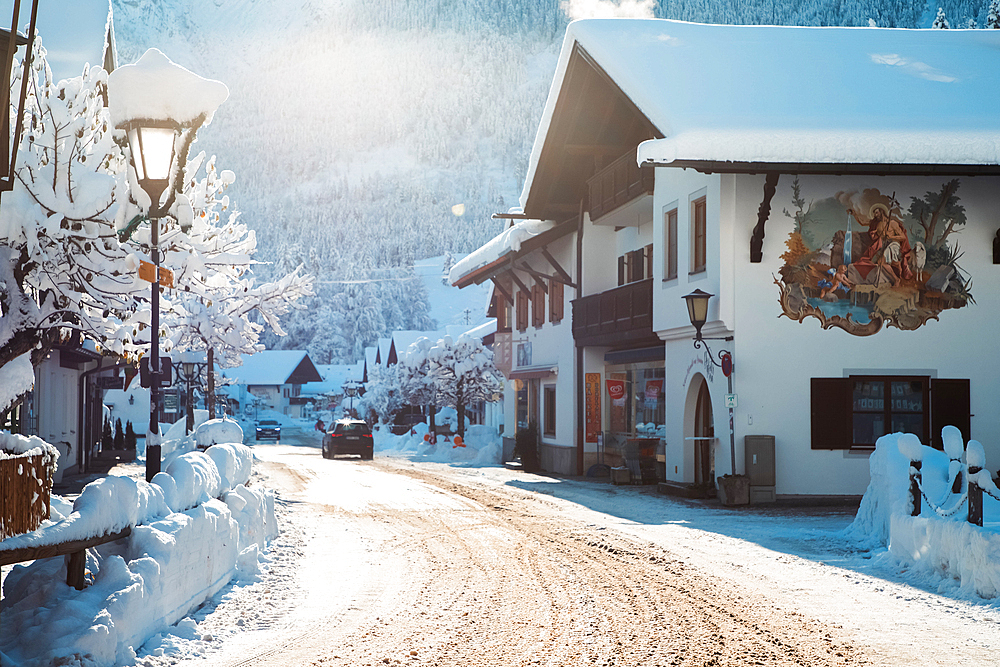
620 315
618 184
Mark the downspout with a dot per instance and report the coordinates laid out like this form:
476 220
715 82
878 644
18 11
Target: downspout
580 403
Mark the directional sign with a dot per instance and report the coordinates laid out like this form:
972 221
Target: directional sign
147 271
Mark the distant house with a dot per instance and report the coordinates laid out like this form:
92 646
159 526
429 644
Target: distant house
272 380
329 392
834 189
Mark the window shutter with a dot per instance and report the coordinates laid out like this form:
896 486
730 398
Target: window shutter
538 305
555 301
648 260
830 413
622 268
522 310
950 405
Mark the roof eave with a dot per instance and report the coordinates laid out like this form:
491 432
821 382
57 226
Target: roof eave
829 168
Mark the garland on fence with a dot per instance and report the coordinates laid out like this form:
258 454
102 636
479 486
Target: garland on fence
939 511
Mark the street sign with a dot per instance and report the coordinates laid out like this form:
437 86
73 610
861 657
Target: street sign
166 375
170 401
110 382
147 272
731 401
727 363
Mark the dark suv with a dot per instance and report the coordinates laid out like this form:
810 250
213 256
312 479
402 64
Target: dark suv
349 436
268 429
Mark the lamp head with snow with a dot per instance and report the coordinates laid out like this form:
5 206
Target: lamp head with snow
10 41
160 106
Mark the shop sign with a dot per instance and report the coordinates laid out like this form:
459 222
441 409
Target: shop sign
616 390
593 393
653 390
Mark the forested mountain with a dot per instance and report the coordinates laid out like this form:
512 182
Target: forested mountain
366 135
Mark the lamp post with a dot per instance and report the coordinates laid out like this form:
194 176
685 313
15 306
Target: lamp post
160 106
697 306
11 41
351 390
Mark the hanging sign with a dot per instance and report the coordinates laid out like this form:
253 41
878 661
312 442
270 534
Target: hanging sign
653 390
616 390
147 272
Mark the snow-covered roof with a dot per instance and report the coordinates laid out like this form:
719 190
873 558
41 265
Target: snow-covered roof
506 242
782 94
334 377
271 367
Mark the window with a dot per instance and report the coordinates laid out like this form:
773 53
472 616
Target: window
522 310
856 411
670 245
550 410
537 305
635 265
698 235
556 303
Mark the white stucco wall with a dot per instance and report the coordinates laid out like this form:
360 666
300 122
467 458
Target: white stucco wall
775 357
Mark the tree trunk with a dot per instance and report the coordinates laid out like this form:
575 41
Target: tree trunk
189 422
210 370
431 411
460 407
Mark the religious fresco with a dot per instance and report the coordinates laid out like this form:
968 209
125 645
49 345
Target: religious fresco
858 260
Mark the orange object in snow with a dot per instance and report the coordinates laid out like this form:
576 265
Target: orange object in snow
458 442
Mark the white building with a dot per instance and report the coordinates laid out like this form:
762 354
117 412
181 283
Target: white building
741 160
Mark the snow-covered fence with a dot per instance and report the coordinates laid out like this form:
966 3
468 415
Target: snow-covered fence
911 508
26 468
973 471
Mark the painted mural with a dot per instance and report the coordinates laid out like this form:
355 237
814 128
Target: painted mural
863 259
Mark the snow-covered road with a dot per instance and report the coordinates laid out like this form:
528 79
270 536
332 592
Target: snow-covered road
416 562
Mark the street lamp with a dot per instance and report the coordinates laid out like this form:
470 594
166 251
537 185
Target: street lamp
697 306
351 390
160 106
12 40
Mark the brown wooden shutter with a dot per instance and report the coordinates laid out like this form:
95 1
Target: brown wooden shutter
555 301
622 268
522 310
538 305
950 405
830 413
647 256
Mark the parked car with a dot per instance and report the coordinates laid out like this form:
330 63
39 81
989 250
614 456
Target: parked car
349 436
268 429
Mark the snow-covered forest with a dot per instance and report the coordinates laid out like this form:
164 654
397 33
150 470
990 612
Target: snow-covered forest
367 135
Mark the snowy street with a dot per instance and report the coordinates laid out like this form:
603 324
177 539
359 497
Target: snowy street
400 561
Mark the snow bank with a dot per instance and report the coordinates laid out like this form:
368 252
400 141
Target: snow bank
482 445
216 431
14 444
940 541
170 565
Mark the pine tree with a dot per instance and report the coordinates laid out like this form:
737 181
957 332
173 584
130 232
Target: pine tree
993 16
130 438
119 435
940 21
107 436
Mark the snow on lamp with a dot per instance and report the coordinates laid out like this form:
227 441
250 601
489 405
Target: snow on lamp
160 105
11 41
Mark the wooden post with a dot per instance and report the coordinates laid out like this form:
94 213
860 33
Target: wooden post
915 486
76 565
975 498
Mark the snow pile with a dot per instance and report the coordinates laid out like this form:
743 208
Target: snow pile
15 444
940 541
171 564
215 431
482 444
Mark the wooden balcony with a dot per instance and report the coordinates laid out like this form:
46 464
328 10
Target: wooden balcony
617 317
618 184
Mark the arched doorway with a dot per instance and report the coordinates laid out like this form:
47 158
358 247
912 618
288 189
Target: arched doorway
699 430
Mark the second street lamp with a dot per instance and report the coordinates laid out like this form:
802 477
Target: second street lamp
160 106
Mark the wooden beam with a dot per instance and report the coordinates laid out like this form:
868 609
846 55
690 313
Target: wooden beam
517 281
763 212
566 278
504 292
510 216
540 278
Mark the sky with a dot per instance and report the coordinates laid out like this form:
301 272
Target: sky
72 32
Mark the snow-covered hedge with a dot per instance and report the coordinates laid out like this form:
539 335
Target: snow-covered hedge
14 444
196 527
941 540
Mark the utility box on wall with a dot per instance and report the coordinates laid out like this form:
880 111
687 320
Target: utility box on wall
759 453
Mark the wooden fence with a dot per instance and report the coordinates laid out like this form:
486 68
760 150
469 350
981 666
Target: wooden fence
25 492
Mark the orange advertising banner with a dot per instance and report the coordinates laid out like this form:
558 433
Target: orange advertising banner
593 402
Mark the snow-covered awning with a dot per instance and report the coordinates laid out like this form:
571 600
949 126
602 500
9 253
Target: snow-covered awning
527 234
725 94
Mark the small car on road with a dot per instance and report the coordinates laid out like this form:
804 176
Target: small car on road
268 429
349 436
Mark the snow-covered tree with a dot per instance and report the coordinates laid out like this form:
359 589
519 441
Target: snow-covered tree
416 385
215 302
463 371
383 397
61 266
940 21
993 15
